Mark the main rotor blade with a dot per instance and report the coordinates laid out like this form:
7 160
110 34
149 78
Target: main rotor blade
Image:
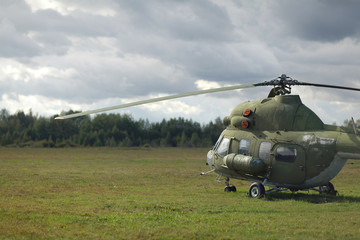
159 99
328 86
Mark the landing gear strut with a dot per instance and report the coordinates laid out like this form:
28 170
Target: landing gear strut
229 188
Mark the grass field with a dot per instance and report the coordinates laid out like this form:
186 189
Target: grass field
147 193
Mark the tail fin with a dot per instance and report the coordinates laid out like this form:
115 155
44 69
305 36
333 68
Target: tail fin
354 126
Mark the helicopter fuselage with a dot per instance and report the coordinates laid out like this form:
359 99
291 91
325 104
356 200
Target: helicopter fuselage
281 141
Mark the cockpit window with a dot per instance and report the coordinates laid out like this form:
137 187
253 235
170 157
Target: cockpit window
285 154
264 150
244 146
223 148
218 142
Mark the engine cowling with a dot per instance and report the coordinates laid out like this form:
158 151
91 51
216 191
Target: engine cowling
244 164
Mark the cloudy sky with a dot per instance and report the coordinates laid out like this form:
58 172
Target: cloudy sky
58 55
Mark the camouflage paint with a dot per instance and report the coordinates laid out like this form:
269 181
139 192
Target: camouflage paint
321 150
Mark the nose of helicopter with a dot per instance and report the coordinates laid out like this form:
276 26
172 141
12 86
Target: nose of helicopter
210 159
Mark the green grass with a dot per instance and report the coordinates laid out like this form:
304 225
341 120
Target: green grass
137 193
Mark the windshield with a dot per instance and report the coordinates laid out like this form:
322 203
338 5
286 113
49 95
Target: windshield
223 148
217 142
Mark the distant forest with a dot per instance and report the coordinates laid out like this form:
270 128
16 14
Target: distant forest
113 130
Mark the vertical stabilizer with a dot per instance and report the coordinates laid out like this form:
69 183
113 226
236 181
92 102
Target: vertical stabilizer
354 126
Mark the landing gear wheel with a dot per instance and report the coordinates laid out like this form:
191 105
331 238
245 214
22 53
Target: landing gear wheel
230 189
328 189
257 190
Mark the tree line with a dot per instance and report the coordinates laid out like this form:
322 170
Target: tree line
112 130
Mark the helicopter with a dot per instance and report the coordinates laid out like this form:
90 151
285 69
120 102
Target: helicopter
276 142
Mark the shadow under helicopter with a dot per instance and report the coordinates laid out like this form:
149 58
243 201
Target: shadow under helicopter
310 198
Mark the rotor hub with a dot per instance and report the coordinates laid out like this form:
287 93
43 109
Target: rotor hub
282 85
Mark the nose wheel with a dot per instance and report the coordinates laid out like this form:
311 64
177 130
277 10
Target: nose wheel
229 188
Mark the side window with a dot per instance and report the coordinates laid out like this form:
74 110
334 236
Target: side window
244 146
285 154
223 148
264 150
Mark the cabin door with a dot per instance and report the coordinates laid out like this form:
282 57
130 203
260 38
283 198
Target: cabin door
288 164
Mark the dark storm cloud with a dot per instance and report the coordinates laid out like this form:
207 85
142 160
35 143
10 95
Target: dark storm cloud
321 20
52 42
186 33
198 35
24 33
15 44
186 20
76 24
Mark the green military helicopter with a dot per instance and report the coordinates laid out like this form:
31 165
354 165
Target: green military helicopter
276 142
